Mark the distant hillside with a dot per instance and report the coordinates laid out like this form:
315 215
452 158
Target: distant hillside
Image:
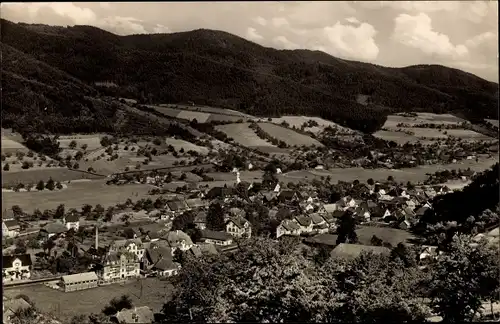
219 69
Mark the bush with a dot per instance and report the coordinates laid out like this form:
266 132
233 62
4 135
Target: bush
105 141
84 147
40 186
72 144
25 165
59 185
6 167
50 184
78 155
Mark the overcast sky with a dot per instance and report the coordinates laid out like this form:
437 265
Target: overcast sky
460 34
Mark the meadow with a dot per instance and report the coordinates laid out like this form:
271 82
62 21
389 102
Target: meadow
187 146
400 175
298 121
10 145
243 135
288 136
76 195
202 114
66 305
44 174
92 141
391 131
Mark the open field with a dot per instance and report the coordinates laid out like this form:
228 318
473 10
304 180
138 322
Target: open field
187 146
10 145
98 159
35 175
229 176
347 174
200 117
468 134
422 118
298 121
390 133
426 132
400 175
243 135
154 294
398 137
170 112
288 136
92 141
207 109
202 114
76 195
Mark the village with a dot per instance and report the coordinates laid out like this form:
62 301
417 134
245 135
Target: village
78 256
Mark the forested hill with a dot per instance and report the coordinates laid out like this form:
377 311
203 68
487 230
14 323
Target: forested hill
220 69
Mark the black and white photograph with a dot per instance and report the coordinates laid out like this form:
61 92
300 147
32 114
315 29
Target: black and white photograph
259 161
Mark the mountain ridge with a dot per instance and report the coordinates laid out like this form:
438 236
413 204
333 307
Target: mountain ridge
217 68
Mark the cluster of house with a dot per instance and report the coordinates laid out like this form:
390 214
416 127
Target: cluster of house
148 253
392 205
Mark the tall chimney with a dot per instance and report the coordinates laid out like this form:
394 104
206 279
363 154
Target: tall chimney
96 238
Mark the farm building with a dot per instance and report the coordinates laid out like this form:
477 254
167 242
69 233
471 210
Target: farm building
201 220
79 281
217 238
178 240
159 260
52 229
204 249
16 267
219 192
288 227
196 203
177 205
10 228
71 221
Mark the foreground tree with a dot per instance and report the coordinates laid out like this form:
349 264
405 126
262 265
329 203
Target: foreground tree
265 281
24 316
215 217
347 229
117 304
373 289
462 278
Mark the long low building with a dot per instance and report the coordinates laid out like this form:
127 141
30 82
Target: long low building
79 281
